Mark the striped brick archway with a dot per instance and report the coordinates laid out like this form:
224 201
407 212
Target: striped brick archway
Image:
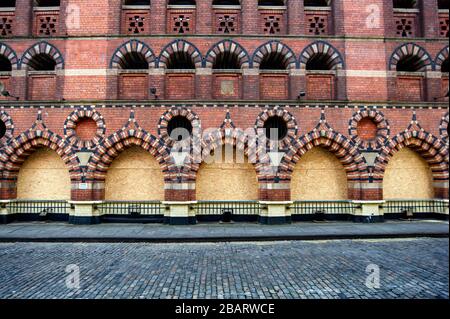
10 54
274 47
42 48
230 46
179 46
132 46
335 59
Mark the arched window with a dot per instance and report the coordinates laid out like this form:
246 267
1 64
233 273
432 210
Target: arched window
405 4
7 3
134 61
226 3
317 3
182 2
410 63
320 61
5 64
47 3
226 60
275 128
444 66
42 62
273 61
272 3
180 60
444 4
137 2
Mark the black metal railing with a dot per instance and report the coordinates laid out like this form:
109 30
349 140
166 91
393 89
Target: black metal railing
131 208
39 207
232 207
341 207
415 206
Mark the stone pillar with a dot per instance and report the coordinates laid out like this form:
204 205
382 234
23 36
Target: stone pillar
369 211
204 82
84 213
251 84
275 213
250 16
179 213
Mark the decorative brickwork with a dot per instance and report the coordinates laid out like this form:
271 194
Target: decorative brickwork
381 134
231 48
278 48
132 46
74 118
405 25
411 49
179 46
6 24
443 128
46 23
9 128
441 57
136 22
444 25
170 114
318 22
181 21
10 54
335 60
272 22
42 48
227 22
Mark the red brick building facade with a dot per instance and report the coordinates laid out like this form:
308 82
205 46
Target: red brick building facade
361 80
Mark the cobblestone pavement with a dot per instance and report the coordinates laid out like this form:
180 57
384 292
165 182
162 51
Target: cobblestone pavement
409 268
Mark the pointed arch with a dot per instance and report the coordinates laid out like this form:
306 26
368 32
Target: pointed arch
411 50
170 51
118 60
232 48
8 53
278 49
441 57
42 48
327 53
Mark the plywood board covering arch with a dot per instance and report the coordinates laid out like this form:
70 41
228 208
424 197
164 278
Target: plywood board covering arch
319 175
229 177
134 175
44 176
407 176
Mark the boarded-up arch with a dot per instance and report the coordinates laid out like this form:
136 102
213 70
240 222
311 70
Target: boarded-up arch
231 178
134 175
319 175
44 176
407 176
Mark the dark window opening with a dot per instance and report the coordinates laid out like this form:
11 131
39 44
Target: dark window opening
134 61
273 61
180 60
47 3
319 61
226 3
42 62
275 3
410 63
444 66
226 61
317 3
2 129
275 128
5 64
137 2
405 4
182 2
179 128
444 4
7 3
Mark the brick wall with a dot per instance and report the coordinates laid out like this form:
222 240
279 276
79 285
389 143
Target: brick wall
320 87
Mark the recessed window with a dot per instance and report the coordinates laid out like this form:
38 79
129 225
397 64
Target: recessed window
47 3
181 61
133 61
2 129
272 3
317 3
410 63
405 4
226 61
443 4
182 2
226 3
137 2
319 61
179 128
275 128
5 64
273 61
444 66
42 62
7 3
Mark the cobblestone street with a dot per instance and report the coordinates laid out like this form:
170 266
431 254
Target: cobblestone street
409 268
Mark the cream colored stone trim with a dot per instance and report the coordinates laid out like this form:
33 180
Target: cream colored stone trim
203 71
275 186
182 186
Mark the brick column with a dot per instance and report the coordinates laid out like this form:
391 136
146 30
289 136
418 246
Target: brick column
297 83
296 17
18 85
433 89
429 14
391 82
341 85
251 84
204 17
389 24
24 18
203 82
157 80
250 16
338 18
112 86
158 16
